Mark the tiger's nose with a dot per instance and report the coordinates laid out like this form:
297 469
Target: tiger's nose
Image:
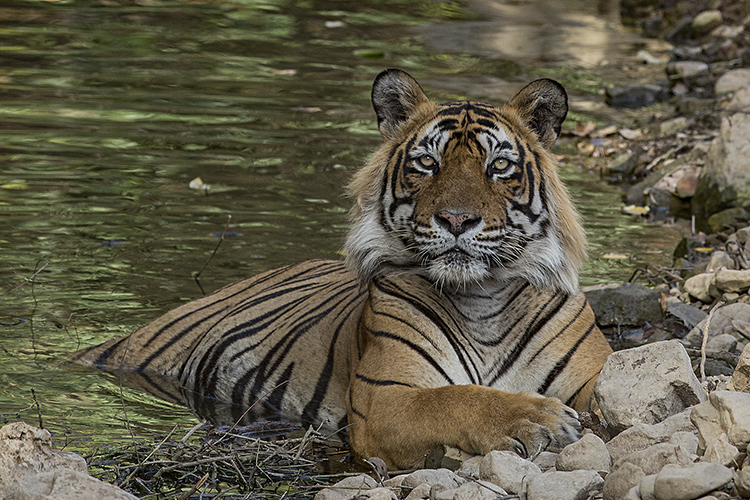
457 222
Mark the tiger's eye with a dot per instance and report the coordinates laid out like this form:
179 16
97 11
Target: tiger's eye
501 166
426 161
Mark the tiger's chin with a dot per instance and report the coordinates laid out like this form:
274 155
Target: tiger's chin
457 270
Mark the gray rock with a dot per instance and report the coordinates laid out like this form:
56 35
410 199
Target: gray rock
421 491
646 385
380 494
629 304
727 219
651 460
687 483
731 319
545 460
635 96
734 415
725 179
688 441
742 482
732 81
623 164
470 467
689 315
699 286
588 453
348 488
66 484
506 470
718 260
619 481
706 419
724 342
671 127
633 493
574 485
729 280
641 436
686 70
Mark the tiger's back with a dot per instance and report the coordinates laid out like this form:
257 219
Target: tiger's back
280 341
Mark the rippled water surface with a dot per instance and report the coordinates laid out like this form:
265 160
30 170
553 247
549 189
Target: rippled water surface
110 108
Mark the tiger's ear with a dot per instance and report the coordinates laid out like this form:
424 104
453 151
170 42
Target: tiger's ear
395 96
543 105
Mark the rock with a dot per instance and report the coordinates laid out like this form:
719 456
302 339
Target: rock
379 494
444 477
708 422
727 32
730 280
641 436
740 380
725 179
732 318
477 491
688 441
646 384
742 482
506 470
705 22
732 81
663 204
635 96
722 343
689 315
623 165
699 286
421 491
734 415
633 493
671 127
557 485
651 460
470 467
588 453
629 304
454 458
728 219
718 260
545 460
348 488
646 487
721 451
30 468
618 482
686 70
687 483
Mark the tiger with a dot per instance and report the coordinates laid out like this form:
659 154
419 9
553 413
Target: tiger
455 318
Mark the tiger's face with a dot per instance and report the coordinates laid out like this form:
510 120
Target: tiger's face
465 192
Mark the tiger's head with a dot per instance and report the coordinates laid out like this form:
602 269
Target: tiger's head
465 192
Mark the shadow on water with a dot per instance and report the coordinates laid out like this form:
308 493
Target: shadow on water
110 108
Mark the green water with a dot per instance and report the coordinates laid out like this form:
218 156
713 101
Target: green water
109 108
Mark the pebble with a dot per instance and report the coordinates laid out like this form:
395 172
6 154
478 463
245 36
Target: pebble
740 380
730 280
647 384
588 453
699 286
347 488
685 70
706 21
641 436
619 481
688 483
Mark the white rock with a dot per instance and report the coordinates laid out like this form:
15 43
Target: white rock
721 451
724 342
641 436
348 488
444 477
380 494
506 470
619 481
730 280
63 484
708 422
588 453
647 384
687 483
718 260
688 441
742 482
421 491
699 286
476 491
734 415
646 488
470 468
545 460
560 485
652 459
732 81
633 493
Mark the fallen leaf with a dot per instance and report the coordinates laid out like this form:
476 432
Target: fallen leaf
615 256
635 210
582 130
630 134
604 132
198 184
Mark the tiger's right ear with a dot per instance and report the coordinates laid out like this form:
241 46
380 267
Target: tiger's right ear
395 96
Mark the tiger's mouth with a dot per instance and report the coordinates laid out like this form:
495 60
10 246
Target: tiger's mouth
457 267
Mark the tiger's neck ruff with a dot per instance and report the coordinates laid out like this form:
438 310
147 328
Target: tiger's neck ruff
462 193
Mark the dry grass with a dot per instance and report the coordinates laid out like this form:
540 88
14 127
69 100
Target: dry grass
258 461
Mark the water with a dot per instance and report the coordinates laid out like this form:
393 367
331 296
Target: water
110 108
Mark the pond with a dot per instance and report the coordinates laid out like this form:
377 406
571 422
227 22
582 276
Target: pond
110 109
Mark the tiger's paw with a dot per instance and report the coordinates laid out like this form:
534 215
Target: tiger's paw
537 423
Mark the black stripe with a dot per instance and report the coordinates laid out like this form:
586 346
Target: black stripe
560 366
372 381
562 330
419 350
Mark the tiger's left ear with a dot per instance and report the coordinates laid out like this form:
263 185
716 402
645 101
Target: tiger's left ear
543 105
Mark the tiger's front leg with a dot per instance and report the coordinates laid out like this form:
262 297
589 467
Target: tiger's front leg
402 424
